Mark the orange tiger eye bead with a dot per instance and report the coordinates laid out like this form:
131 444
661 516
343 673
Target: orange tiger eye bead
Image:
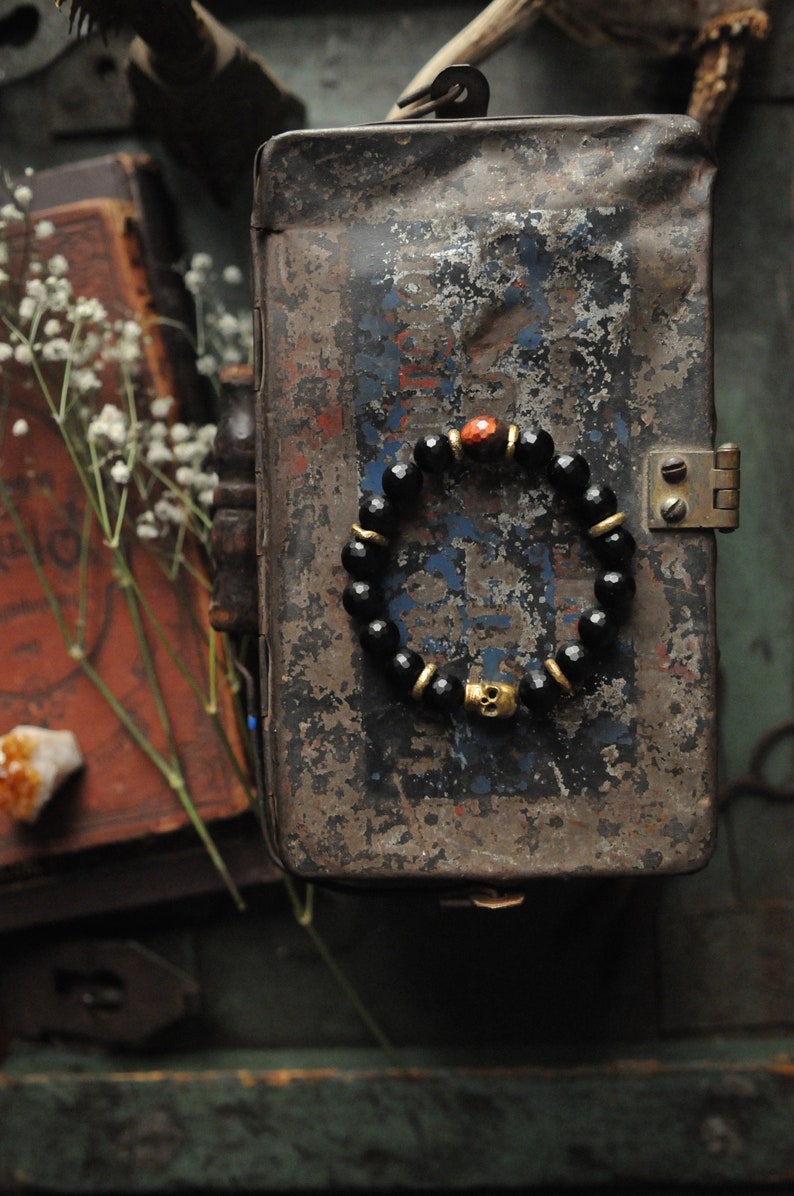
484 438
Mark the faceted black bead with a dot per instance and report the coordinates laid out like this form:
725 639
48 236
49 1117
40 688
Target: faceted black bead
575 661
444 693
402 482
377 514
615 549
405 667
534 448
380 638
596 503
597 629
363 558
362 599
433 453
614 590
537 690
569 473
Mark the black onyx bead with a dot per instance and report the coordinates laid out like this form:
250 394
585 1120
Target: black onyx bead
363 558
569 473
615 549
405 667
402 482
377 514
614 590
538 691
597 629
444 693
534 449
575 661
380 638
433 453
596 503
362 599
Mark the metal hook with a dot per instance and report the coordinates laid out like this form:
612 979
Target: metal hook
456 93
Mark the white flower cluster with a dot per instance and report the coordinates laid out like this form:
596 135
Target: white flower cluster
224 338
174 457
154 472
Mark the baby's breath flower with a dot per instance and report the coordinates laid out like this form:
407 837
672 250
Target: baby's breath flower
10 213
145 527
232 275
158 453
110 425
120 472
56 349
167 511
187 451
84 380
228 325
20 427
184 476
205 497
27 308
23 354
35 289
201 263
179 433
58 265
160 407
89 309
5 351
23 195
206 364
194 281
206 435
52 328
44 229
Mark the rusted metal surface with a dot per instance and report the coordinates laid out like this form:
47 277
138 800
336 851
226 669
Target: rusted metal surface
234 602
550 272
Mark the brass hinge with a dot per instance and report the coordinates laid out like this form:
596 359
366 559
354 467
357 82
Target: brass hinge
694 489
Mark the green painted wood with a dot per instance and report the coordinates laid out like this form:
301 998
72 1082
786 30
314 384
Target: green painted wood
631 1122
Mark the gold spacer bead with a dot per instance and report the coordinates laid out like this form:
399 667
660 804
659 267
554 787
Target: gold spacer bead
423 680
513 433
606 525
556 673
364 533
456 444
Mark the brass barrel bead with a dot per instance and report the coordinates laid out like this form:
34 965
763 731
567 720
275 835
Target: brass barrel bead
513 433
456 444
367 535
556 673
606 525
422 681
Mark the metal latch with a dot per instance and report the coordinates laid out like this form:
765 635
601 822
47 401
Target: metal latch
694 488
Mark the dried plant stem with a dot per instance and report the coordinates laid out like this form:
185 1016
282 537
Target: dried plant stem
75 649
304 916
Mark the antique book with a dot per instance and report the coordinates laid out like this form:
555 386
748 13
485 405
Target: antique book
109 219
553 274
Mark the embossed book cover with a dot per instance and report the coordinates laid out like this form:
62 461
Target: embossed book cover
100 230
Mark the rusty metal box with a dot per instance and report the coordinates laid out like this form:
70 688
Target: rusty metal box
553 273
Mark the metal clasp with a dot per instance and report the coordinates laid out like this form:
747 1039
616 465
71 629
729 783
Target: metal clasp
694 489
459 91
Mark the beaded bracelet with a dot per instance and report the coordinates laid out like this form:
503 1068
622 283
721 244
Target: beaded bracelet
486 440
